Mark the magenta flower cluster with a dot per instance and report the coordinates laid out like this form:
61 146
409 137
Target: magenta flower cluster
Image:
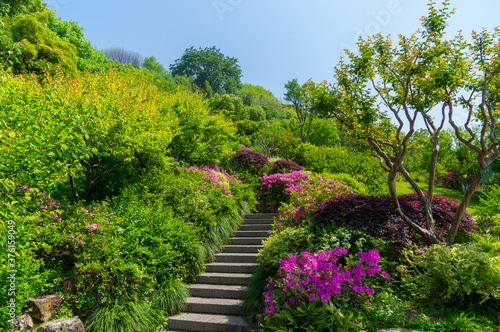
214 176
312 276
305 198
279 186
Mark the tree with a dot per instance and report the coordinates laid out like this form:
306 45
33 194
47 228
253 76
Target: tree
295 95
428 77
64 127
27 45
14 7
71 32
124 56
222 73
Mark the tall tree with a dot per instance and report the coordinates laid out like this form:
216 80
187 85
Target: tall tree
222 73
295 95
428 77
124 56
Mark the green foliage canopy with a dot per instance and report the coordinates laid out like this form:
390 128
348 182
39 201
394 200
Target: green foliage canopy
222 73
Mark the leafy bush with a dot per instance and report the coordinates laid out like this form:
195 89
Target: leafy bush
346 179
448 179
352 239
208 198
285 166
283 244
129 317
250 160
488 212
360 165
169 222
377 216
462 273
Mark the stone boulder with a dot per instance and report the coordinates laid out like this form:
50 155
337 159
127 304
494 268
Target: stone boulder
43 308
23 323
62 325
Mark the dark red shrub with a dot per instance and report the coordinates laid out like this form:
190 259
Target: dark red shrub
443 211
449 179
249 159
377 216
285 166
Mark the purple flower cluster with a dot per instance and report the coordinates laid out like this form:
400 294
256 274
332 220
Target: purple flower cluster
279 186
213 175
317 275
307 196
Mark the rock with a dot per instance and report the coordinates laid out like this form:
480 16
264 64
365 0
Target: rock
44 308
23 323
62 325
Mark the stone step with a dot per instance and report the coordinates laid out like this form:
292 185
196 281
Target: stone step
218 291
261 216
242 248
247 240
255 227
236 258
214 278
260 233
230 267
258 221
208 322
214 306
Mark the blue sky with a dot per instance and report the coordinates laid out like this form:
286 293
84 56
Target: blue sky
274 40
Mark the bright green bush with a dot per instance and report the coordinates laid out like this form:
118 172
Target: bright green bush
488 212
360 165
311 317
353 239
283 244
128 317
462 273
346 179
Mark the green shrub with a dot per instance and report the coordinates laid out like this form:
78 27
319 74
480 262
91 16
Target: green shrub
353 239
310 317
283 244
360 165
171 298
128 317
488 212
347 180
460 274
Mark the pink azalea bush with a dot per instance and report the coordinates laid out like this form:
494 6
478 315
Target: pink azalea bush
301 194
214 176
279 186
306 197
313 276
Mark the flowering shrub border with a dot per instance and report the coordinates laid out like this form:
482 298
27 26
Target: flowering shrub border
317 275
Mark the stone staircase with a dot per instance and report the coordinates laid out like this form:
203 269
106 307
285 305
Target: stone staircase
216 300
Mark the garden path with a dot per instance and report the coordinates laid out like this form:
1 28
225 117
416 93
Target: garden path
216 300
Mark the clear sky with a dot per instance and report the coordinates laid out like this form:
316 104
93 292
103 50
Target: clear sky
274 40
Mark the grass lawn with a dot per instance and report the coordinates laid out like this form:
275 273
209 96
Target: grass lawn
405 188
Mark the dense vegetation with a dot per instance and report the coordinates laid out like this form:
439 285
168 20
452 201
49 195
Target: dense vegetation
120 179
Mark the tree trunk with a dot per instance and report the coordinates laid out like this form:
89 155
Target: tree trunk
471 189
